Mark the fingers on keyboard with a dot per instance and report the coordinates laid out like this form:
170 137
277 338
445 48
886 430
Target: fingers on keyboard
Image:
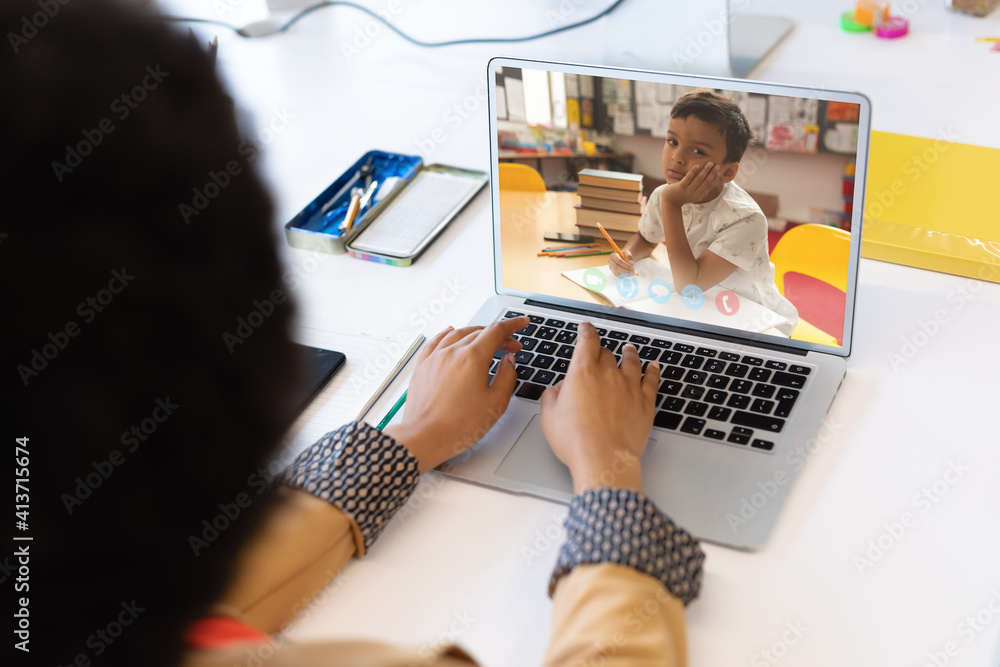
718 395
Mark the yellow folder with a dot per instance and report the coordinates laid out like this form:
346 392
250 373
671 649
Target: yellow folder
933 204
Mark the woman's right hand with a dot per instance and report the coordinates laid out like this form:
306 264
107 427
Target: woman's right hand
597 420
451 402
619 266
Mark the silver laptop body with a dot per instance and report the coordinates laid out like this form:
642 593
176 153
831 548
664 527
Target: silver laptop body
722 491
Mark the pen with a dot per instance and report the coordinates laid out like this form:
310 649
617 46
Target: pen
366 198
347 188
392 412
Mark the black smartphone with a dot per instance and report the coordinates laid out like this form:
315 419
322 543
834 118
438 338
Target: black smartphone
319 367
568 238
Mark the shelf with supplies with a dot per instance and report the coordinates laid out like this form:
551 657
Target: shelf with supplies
620 107
794 125
574 161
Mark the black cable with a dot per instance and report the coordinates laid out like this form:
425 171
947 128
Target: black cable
332 3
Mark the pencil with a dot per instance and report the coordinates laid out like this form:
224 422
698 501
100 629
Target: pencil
392 412
585 254
613 244
352 212
552 251
569 247
988 39
580 252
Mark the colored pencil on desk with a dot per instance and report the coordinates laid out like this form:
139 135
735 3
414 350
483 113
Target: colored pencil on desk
549 251
572 253
586 254
988 39
586 250
569 247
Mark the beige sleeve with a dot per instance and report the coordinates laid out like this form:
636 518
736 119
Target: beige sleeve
304 543
603 614
328 654
612 615
302 546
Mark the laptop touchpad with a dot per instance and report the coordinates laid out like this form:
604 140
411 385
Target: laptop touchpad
531 461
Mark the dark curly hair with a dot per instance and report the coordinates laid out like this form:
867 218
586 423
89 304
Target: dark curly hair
722 113
142 423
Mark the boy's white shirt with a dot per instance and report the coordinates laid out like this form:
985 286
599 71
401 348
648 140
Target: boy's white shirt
733 227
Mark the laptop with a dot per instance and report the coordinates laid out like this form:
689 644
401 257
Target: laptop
744 390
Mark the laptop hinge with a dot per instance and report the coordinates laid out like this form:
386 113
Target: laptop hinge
666 327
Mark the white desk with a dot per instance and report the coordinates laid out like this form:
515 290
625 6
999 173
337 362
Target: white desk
459 556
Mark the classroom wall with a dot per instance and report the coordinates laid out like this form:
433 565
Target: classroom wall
800 180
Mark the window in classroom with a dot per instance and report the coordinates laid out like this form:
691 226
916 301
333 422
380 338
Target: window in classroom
537 104
557 88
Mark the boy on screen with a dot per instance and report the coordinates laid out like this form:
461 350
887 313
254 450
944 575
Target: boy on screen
714 232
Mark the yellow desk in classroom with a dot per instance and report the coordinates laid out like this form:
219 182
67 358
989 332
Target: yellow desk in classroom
525 218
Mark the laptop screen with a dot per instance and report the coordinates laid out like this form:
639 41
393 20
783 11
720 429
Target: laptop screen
731 203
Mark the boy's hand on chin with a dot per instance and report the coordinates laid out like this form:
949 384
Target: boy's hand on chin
700 184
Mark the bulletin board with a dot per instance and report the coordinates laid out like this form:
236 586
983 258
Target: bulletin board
779 123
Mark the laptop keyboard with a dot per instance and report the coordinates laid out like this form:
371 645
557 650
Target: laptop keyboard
706 391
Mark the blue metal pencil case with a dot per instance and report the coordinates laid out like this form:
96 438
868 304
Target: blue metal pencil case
368 185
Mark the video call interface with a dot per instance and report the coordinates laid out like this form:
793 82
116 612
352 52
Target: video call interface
576 151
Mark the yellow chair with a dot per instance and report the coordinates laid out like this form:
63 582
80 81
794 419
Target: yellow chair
520 177
817 251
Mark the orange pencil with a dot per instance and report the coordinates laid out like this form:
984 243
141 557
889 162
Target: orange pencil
613 244
352 212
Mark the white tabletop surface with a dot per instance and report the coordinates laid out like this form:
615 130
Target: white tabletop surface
471 564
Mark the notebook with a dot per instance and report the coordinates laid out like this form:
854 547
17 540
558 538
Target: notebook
739 403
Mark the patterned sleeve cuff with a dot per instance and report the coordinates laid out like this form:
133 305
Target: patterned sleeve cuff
365 473
625 527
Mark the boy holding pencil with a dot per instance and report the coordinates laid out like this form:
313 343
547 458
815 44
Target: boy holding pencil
714 232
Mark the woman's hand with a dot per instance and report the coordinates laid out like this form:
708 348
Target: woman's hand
598 419
450 402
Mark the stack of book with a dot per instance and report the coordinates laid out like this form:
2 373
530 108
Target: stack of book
612 198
